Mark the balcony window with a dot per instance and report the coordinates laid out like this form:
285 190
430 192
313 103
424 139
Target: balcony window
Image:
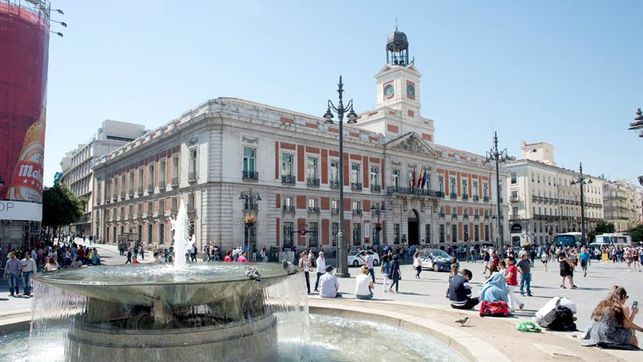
288 233
441 183
427 233
355 173
162 175
193 165
313 234
513 178
333 174
396 179
175 171
150 178
334 229
374 176
454 233
357 234
442 233
476 232
334 207
465 190
396 233
286 164
141 172
452 185
312 168
485 190
466 232
161 233
249 159
486 233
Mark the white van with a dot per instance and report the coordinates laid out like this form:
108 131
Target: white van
612 238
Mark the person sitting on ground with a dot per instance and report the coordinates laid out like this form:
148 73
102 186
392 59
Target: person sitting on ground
363 284
328 284
613 321
51 265
460 291
494 289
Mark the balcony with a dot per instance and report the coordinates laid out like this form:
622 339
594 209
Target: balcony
161 212
312 182
376 212
175 182
356 186
476 198
162 185
150 188
249 175
192 211
174 210
192 176
465 217
465 197
313 210
485 198
334 184
454 217
357 212
290 209
392 190
376 188
250 207
442 215
514 200
476 217
122 195
288 180
453 196
334 210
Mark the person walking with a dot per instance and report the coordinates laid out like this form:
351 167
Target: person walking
321 268
511 278
11 273
524 267
28 267
417 264
584 260
304 263
385 268
369 265
395 274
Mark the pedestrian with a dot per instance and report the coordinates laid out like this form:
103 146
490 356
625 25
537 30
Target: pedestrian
385 268
395 274
566 270
584 260
28 267
242 258
304 263
417 264
142 252
129 256
544 258
228 257
524 267
363 284
369 265
511 278
11 273
321 268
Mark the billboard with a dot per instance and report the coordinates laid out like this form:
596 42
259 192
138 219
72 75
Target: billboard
20 210
24 47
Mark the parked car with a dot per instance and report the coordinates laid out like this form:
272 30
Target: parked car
436 260
358 257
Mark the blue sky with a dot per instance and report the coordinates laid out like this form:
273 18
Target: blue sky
565 72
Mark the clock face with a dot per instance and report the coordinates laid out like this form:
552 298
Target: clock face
388 91
410 91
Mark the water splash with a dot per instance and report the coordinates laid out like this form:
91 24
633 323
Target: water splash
182 240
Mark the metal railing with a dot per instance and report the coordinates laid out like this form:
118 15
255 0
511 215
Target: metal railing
313 210
357 212
356 186
312 182
334 184
391 190
376 188
250 175
288 179
288 209
192 176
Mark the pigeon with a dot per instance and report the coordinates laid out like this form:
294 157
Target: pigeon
462 321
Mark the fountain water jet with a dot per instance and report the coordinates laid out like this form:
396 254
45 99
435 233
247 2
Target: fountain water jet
181 236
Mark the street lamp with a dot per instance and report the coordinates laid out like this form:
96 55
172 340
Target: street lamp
582 180
638 121
498 156
342 262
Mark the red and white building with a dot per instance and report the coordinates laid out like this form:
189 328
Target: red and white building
257 175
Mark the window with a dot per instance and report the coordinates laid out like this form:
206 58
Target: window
485 189
334 172
357 205
248 159
149 233
441 233
140 178
175 168
355 173
465 189
441 183
452 183
288 201
334 229
514 212
312 202
313 234
513 178
486 233
192 165
396 179
288 233
454 233
161 233
334 204
375 172
396 233
466 232
427 184
514 194
476 232
123 184
312 168
150 176
427 233
162 174
286 164
357 234
411 179
474 186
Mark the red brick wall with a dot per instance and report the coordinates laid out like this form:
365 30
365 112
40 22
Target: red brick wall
324 166
300 163
324 232
301 201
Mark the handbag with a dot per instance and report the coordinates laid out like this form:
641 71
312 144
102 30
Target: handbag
494 309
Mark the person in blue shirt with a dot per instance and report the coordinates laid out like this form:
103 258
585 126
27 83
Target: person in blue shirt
584 260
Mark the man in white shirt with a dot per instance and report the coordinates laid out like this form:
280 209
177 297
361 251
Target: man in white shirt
369 264
329 285
321 268
28 266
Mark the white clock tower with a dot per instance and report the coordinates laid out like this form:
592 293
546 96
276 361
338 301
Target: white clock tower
397 110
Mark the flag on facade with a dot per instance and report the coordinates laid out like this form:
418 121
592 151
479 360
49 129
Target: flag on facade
419 181
425 178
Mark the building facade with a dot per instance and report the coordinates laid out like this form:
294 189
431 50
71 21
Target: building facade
622 203
260 176
77 165
544 200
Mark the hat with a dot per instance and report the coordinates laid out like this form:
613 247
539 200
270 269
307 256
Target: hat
329 268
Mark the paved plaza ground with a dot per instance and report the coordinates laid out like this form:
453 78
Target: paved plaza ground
429 291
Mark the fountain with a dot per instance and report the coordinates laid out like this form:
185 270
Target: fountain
163 312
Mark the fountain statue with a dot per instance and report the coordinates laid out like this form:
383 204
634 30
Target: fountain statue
169 312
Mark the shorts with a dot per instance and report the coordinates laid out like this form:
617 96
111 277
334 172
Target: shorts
583 264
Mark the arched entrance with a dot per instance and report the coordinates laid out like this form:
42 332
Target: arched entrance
413 227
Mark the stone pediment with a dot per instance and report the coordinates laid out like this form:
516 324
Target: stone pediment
412 143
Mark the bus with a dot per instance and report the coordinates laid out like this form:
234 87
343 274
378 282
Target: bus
613 238
568 239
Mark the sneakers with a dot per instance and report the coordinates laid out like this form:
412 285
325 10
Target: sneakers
574 287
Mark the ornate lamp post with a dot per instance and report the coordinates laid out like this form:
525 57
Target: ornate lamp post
498 157
250 209
638 124
582 180
340 109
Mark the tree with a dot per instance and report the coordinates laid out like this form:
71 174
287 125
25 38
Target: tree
636 234
602 227
60 206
